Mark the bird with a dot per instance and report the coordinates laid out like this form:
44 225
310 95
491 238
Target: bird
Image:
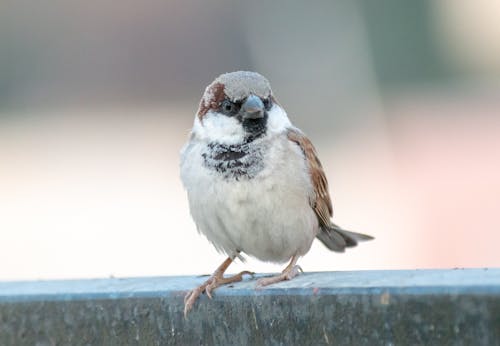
254 182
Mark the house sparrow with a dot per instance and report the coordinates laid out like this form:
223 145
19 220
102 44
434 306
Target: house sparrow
254 182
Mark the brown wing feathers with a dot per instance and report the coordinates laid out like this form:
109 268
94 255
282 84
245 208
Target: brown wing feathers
322 204
334 237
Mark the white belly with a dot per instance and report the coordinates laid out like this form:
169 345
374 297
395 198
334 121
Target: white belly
267 217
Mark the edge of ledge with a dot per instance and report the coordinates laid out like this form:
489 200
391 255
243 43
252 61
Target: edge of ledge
424 281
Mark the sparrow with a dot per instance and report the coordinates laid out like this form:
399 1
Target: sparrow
254 182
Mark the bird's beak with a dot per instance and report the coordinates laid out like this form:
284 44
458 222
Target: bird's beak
253 108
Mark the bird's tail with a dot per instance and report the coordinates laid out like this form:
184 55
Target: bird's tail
337 239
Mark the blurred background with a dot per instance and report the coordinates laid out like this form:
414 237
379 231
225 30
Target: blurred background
401 98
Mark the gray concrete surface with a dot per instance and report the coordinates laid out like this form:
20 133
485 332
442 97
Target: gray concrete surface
460 306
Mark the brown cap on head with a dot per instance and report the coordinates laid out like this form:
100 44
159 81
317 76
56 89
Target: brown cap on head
234 86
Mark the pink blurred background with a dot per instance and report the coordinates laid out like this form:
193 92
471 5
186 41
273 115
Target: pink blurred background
402 100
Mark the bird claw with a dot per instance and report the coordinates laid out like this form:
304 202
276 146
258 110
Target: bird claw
208 286
287 274
296 269
190 299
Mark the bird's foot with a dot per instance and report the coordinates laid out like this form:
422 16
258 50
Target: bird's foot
214 281
288 274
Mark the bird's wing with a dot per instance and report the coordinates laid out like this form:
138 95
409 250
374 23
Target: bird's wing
321 202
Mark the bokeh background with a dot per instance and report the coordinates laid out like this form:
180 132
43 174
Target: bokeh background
401 98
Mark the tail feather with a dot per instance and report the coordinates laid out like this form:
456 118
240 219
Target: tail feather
337 239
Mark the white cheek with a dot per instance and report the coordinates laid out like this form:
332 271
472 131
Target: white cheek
226 130
219 128
278 120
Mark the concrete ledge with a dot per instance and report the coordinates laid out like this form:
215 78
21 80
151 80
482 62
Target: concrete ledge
362 308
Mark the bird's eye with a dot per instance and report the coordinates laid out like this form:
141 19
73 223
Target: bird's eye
229 108
267 103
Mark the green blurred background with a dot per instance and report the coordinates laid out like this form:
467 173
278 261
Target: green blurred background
401 98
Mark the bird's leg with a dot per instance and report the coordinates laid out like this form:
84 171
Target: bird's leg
287 274
215 280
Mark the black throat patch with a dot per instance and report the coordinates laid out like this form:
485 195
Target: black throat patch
235 161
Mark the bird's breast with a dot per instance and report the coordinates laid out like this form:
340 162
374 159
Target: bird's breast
253 199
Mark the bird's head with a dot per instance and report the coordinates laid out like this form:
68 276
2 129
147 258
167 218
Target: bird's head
238 107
